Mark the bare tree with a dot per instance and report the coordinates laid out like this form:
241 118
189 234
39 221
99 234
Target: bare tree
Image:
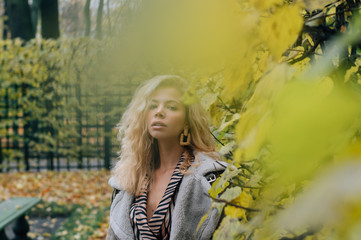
19 19
108 17
98 28
35 7
87 18
49 19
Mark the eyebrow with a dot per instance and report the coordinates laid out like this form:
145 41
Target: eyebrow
168 101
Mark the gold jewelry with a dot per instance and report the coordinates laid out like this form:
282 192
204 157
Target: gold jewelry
185 137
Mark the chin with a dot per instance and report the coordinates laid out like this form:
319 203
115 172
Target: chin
161 137
158 135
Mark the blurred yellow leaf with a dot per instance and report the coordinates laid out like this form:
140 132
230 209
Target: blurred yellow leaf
281 29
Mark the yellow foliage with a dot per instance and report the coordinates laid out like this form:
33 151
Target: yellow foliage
216 189
229 229
235 212
280 30
292 124
264 5
251 131
242 200
353 150
350 71
316 4
302 65
245 54
350 220
311 122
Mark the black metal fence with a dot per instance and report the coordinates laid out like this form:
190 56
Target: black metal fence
71 129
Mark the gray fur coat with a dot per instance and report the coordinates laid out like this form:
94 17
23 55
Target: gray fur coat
191 205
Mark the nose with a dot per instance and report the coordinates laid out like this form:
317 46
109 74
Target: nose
160 113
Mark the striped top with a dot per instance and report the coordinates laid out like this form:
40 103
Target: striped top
159 225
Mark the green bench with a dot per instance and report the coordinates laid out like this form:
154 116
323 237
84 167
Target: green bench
15 209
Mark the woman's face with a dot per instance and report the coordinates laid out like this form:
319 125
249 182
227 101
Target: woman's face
166 114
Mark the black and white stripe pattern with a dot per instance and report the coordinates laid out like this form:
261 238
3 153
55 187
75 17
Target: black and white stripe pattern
159 225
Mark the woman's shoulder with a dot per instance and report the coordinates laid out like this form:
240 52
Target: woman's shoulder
114 182
205 164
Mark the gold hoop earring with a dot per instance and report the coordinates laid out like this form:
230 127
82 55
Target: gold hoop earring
185 137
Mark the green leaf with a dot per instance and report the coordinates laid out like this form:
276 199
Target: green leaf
229 229
231 193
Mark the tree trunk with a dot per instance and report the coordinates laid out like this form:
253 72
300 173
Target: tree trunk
19 19
35 14
87 18
5 20
49 19
99 19
108 16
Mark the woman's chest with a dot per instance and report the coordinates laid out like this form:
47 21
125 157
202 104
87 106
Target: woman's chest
156 192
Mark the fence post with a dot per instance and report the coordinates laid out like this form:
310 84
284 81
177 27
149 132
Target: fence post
49 106
1 155
26 132
15 129
79 117
107 135
7 107
1 148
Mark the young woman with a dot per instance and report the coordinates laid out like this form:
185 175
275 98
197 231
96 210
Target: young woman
166 161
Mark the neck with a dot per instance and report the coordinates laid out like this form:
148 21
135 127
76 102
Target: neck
169 154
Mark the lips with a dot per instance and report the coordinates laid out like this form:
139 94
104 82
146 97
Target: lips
158 124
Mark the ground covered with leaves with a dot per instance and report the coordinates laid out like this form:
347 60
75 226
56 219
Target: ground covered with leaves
80 199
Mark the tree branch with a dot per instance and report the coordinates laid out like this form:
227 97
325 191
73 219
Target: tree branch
331 14
233 205
306 54
300 237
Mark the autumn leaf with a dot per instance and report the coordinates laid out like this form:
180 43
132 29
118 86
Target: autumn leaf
280 30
